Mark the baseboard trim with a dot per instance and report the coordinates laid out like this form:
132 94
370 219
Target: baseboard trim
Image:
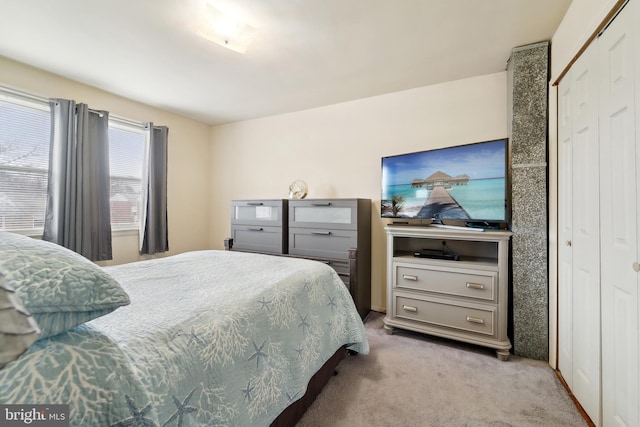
575 401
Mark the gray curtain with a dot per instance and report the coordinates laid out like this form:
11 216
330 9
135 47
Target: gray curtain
154 236
78 215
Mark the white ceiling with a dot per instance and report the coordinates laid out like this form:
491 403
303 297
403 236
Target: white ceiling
306 53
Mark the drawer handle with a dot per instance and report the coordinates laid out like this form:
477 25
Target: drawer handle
408 277
337 263
410 308
475 285
475 320
255 203
321 233
256 229
320 203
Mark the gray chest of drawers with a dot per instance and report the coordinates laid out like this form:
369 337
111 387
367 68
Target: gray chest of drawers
334 231
464 299
338 230
259 225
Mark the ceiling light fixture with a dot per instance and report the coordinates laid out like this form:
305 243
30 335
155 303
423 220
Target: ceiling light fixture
220 28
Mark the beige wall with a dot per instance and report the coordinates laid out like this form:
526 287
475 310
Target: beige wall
337 149
189 180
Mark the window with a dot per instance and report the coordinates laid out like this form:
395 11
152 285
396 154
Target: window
25 127
24 162
125 163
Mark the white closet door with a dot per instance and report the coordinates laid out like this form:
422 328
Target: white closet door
565 230
579 255
619 215
586 234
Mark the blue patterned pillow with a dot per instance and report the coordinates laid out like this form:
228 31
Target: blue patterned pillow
60 288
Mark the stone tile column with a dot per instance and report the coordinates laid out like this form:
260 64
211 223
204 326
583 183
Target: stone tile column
528 77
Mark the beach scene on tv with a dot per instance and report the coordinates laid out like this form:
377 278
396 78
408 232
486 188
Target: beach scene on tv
465 183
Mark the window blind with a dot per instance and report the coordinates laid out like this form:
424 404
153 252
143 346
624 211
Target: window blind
24 161
125 163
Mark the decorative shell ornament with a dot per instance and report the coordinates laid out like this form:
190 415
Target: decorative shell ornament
298 189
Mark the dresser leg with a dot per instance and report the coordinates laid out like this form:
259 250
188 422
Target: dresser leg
502 355
388 329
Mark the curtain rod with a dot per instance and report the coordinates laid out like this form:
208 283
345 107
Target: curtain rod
128 122
92 111
23 95
41 99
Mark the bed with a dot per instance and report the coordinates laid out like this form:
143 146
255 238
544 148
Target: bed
201 338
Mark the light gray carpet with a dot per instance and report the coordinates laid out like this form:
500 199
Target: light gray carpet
411 379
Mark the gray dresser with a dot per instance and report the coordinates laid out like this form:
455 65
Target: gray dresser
334 231
259 225
338 230
464 299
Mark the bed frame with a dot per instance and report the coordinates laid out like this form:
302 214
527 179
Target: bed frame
294 412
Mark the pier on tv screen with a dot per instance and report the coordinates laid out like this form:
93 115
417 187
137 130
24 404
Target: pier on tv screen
462 183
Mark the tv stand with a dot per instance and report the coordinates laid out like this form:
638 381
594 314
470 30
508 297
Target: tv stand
453 227
462 297
436 254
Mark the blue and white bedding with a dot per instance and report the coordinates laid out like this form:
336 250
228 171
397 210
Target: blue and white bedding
210 338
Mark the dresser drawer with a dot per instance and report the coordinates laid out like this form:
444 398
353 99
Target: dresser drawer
458 282
259 212
259 239
441 313
342 268
322 243
333 214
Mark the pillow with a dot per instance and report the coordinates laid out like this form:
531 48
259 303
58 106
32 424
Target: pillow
18 329
60 288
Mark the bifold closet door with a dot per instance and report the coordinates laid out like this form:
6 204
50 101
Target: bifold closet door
565 231
619 71
579 269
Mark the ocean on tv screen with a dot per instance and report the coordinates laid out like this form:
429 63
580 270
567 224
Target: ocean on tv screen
478 200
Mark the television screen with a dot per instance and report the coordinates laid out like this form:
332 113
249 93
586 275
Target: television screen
463 183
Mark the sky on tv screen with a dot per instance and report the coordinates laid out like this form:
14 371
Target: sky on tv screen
479 161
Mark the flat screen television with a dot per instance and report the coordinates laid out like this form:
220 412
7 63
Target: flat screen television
467 183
